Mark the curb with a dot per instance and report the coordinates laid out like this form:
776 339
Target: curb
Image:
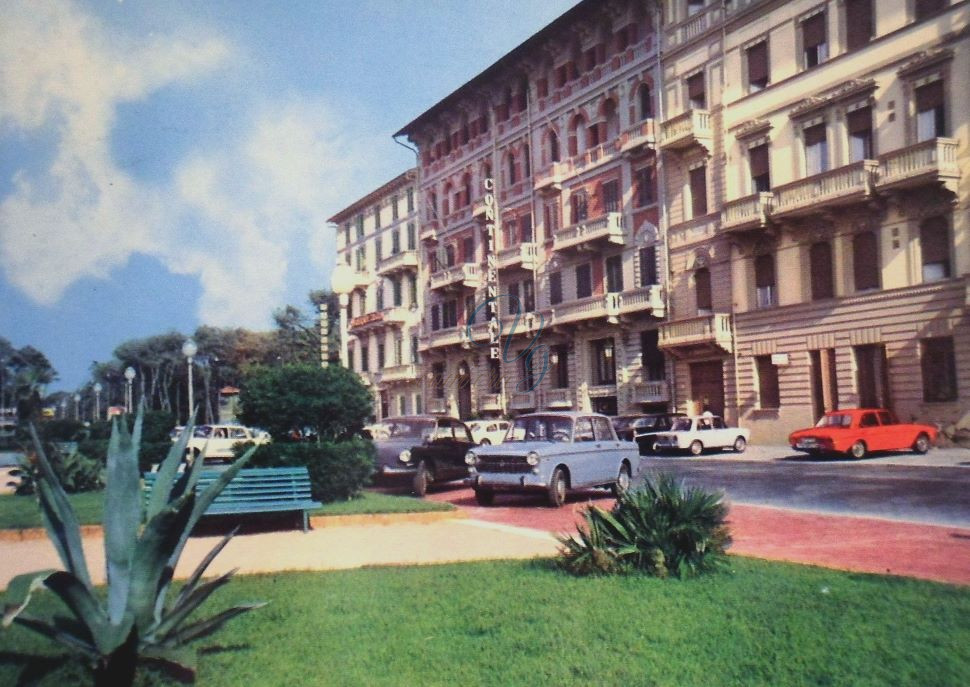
316 522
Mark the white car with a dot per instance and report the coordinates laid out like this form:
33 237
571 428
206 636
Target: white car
697 434
219 440
487 432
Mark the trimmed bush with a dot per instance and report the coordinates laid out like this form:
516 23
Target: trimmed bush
338 470
76 472
59 430
661 529
157 427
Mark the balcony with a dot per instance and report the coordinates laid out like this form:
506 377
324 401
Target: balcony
524 256
821 192
637 138
705 334
558 398
437 406
400 373
465 275
550 177
490 402
750 212
452 336
367 322
687 129
586 308
653 391
362 279
522 400
479 208
607 228
396 315
642 300
398 262
926 163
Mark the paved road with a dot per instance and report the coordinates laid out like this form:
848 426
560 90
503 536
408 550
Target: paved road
935 495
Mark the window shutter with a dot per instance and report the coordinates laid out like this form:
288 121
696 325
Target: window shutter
758 158
934 240
930 96
820 257
865 261
814 134
695 87
698 191
758 63
813 30
764 271
702 288
555 288
858 21
859 121
648 266
924 8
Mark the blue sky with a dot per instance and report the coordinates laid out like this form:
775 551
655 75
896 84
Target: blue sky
164 165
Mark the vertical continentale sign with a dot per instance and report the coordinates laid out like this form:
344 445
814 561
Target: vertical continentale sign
491 271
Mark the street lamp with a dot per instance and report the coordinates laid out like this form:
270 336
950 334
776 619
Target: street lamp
64 408
189 349
97 400
77 407
342 283
129 377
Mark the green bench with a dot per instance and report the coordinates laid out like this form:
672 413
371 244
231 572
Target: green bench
257 490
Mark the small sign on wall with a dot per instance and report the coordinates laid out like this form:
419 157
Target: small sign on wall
779 359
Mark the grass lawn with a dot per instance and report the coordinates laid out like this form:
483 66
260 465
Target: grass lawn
19 512
524 623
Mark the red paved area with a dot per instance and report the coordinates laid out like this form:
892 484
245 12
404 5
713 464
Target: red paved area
930 552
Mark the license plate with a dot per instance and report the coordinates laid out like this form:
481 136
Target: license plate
806 443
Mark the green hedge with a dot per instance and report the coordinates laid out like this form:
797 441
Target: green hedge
151 453
338 470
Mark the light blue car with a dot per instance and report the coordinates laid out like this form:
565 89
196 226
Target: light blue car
553 452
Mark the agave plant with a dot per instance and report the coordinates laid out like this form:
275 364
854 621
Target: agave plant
663 528
136 620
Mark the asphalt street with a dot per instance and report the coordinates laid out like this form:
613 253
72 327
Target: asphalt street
934 495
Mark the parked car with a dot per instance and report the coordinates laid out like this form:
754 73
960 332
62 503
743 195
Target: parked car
218 441
553 453
487 432
697 434
629 427
858 431
421 450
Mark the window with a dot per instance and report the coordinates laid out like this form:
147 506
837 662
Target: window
511 169
402 407
553 147
527 371
698 191
396 292
865 261
394 202
435 319
396 241
550 213
528 295
412 289
646 186
858 23
648 266
470 309
412 236
769 395
645 102
760 170
449 313
651 356
418 406
859 124
438 380
926 8
757 62
816 149
934 239
604 368
410 200
614 274
468 249
378 248
820 264
361 259
584 280
346 235
764 280
702 290
555 288
583 430
815 49
525 228
398 350
694 6
930 117
494 376
869 420
610 194
939 369
579 204
514 303
526 162
380 356
364 358
604 432
377 217
696 95
559 360
350 358
449 255
359 225
415 351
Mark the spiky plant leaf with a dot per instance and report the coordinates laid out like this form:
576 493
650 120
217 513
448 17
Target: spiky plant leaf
168 471
184 607
122 512
68 639
204 628
19 592
203 565
88 610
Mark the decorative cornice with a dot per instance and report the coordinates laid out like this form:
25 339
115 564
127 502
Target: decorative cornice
850 88
751 128
925 59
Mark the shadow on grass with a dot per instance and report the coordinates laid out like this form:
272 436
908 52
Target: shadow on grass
34 667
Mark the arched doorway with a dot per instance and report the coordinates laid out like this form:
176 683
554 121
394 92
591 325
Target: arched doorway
464 391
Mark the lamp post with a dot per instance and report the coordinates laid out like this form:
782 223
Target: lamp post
77 407
64 408
342 283
129 376
189 349
97 400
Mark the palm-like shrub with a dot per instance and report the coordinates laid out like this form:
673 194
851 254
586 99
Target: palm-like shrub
137 621
662 528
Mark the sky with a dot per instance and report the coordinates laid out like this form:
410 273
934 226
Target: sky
170 164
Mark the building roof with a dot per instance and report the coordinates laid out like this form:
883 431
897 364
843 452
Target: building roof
506 61
401 180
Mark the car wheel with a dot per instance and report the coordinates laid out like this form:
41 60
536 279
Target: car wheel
486 442
922 444
422 478
858 450
740 444
696 447
557 488
484 497
622 483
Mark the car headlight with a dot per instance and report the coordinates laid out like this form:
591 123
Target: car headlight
532 458
471 458
405 456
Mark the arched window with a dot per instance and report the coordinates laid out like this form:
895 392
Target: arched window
553 146
702 290
865 261
820 266
526 162
764 280
934 240
511 169
644 102
577 135
612 121
446 200
466 182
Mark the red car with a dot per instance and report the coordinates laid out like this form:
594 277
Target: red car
857 431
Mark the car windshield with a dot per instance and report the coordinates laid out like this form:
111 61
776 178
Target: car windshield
541 428
681 424
405 428
835 420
